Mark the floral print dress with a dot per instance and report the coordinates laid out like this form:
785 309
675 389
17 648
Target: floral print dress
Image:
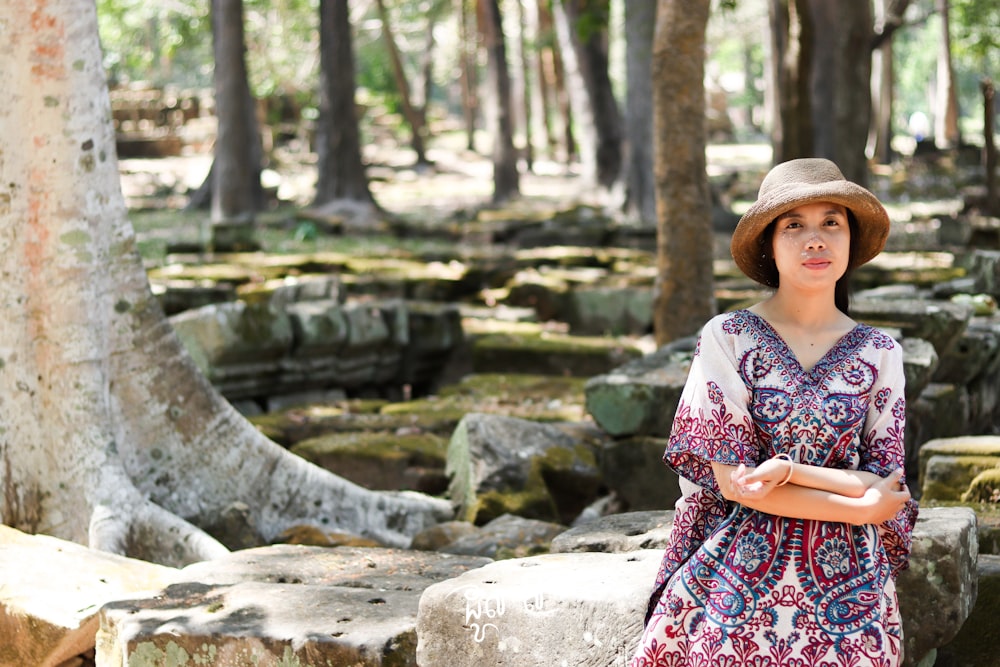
741 587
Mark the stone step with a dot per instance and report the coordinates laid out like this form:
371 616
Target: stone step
51 591
281 605
586 608
947 466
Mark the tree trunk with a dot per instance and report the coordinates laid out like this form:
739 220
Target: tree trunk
946 130
467 60
232 188
111 436
586 23
506 180
527 69
890 18
990 147
552 73
640 189
585 134
415 117
684 287
791 62
841 84
341 173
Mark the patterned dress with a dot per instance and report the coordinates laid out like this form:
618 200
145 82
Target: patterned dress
741 587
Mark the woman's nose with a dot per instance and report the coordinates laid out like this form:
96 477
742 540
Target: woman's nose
815 241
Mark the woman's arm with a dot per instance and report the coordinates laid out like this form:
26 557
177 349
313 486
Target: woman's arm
769 474
880 502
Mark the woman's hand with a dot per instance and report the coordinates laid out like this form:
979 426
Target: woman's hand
885 498
756 483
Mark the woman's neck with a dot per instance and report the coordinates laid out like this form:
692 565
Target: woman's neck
806 311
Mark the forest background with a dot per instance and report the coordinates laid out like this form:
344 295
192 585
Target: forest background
111 435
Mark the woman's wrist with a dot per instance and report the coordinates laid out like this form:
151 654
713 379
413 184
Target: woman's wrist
791 469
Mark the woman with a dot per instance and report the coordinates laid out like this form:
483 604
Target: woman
788 439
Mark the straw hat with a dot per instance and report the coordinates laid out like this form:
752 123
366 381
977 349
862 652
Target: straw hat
798 182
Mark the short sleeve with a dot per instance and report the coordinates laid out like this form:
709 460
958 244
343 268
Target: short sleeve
883 449
713 422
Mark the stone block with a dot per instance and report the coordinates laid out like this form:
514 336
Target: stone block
976 643
938 590
949 477
633 469
281 605
970 445
640 397
554 609
941 323
504 465
51 591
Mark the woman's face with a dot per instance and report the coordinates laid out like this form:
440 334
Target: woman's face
812 245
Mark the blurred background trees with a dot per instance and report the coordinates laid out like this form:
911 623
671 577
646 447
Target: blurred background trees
567 84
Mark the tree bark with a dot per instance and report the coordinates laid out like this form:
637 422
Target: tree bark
506 180
946 130
990 146
684 288
840 83
553 74
111 436
890 18
341 172
640 188
791 62
585 27
469 80
415 116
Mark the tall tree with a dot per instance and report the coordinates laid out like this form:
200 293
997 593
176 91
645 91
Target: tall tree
823 54
640 190
946 130
506 179
583 31
415 115
109 434
791 62
684 287
235 174
889 18
341 172
467 69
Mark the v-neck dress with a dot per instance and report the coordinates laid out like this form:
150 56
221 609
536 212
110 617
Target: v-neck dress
742 587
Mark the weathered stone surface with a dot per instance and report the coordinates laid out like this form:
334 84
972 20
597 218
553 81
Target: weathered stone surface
976 643
939 322
640 397
249 608
572 609
609 310
617 533
938 591
633 470
503 465
51 591
507 536
550 354
355 567
941 411
270 347
383 460
260 624
919 363
949 477
971 445
984 488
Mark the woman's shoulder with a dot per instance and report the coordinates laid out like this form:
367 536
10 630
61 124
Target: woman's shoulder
878 339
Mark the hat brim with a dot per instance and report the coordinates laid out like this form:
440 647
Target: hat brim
871 234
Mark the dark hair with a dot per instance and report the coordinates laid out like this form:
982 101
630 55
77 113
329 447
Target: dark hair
842 291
